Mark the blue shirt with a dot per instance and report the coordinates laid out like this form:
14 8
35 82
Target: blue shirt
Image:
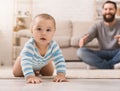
32 60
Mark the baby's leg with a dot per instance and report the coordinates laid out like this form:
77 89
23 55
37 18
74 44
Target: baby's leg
17 70
47 70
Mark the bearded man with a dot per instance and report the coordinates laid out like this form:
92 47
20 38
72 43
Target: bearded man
107 32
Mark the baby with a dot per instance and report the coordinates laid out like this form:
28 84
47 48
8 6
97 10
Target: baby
38 53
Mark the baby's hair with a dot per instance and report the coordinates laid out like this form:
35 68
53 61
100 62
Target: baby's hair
47 17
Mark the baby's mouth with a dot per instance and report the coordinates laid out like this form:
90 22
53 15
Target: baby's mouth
42 38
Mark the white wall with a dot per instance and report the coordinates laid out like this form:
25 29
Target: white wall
82 10
6 23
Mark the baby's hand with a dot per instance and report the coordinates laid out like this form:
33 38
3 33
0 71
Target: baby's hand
60 78
33 80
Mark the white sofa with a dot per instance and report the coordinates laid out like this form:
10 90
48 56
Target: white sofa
67 35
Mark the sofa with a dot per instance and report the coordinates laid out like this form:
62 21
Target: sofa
67 36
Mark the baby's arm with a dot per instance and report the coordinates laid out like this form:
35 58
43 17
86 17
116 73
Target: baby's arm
26 63
28 71
61 71
59 64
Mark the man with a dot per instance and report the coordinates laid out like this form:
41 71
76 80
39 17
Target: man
107 32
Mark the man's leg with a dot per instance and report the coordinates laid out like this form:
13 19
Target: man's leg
115 57
94 58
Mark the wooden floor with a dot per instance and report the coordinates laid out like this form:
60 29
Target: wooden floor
72 85
74 70
79 80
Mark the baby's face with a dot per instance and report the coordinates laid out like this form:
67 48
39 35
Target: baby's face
43 31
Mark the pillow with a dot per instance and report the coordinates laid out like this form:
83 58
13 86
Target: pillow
63 28
80 28
63 33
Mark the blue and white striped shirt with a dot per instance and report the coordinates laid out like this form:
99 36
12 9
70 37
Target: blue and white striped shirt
32 60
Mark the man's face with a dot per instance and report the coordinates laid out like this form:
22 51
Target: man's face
109 12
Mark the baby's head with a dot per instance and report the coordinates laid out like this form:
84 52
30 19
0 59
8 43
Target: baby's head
38 17
43 28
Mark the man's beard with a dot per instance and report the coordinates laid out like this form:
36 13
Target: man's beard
110 19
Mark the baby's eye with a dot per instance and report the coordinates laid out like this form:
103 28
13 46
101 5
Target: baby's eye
39 29
48 30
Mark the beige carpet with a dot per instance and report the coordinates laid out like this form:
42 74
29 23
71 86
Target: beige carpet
6 72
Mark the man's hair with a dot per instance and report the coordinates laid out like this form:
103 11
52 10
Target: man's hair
112 2
46 16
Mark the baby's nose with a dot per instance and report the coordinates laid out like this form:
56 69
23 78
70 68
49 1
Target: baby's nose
43 32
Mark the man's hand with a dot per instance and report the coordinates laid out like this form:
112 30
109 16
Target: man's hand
118 38
83 40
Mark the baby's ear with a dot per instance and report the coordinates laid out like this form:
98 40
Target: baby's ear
31 28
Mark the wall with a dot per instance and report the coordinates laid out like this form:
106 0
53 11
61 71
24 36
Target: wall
6 22
82 10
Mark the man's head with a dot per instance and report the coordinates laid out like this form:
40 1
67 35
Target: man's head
109 11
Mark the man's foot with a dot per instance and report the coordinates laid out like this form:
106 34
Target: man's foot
117 66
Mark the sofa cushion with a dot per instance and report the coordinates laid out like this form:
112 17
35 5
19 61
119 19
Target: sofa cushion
63 41
79 29
63 32
75 41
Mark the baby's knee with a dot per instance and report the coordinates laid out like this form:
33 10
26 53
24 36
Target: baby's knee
47 73
16 73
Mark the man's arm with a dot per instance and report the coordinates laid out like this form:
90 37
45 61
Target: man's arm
92 33
118 38
83 40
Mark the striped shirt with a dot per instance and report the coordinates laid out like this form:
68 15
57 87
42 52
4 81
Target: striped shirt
32 60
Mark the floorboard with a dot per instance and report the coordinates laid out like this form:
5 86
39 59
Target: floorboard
72 85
